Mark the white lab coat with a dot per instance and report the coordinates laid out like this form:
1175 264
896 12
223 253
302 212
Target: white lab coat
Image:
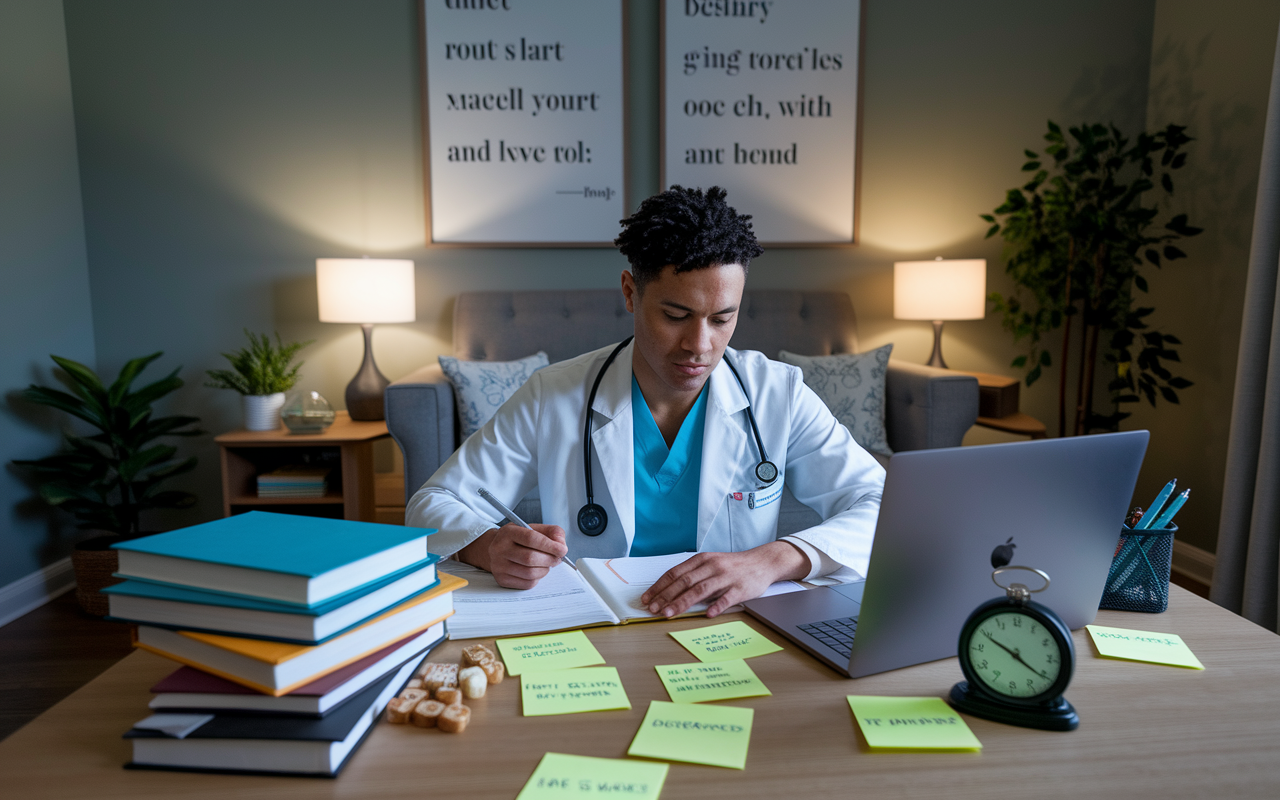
535 439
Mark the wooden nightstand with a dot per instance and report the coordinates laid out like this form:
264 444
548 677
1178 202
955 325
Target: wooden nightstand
345 447
998 406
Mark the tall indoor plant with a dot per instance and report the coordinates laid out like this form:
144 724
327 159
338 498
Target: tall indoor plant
1078 236
107 479
261 373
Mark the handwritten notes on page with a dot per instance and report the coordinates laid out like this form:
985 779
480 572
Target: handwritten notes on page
727 642
1157 648
548 653
565 777
699 683
715 735
911 723
572 691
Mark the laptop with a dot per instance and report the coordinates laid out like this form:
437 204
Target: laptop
1053 504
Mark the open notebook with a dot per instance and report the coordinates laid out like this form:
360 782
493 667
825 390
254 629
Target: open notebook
601 592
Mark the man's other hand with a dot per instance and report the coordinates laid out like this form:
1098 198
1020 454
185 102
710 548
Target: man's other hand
518 557
724 579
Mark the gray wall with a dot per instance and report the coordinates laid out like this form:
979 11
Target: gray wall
44 305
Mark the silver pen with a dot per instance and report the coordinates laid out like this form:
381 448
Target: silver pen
511 515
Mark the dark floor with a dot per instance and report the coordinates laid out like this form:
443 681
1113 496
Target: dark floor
48 654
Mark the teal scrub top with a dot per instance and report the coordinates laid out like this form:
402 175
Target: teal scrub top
666 479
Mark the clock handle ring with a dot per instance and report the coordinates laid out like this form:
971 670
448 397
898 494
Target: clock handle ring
1019 591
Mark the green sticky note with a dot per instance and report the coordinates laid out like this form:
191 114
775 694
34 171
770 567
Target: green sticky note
548 652
572 691
561 776
698 683
911 723
1158 648
727 642
715 735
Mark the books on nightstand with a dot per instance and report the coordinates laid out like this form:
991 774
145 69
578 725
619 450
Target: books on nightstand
294 482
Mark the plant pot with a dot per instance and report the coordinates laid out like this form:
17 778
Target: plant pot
262 411
95 563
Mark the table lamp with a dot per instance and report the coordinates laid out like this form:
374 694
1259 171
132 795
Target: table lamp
940 290
365 291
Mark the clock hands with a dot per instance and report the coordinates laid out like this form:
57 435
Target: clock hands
1015 654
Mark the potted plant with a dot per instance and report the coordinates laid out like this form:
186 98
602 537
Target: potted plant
261 374
106 480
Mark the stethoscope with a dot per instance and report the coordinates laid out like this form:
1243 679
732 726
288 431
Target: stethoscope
592 519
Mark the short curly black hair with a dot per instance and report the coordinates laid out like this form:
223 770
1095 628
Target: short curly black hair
688 228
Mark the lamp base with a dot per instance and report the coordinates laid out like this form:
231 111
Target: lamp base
365 392
936 360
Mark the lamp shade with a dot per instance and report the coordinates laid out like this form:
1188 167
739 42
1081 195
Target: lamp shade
940 290
365 290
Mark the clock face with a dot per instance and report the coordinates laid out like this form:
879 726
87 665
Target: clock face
1014 655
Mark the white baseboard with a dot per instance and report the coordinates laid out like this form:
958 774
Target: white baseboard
1192 562
32 591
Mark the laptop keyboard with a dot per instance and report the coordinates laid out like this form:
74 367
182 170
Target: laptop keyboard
834 633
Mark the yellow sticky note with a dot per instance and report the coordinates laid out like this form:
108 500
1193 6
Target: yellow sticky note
1158 648
699 683
727 642
548 652
911 723
563 777
572 691
715 735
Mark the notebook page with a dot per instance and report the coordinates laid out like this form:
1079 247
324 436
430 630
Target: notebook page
562 600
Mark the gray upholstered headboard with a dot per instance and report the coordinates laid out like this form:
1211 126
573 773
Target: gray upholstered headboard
502 326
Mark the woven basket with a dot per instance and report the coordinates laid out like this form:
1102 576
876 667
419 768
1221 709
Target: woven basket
94 569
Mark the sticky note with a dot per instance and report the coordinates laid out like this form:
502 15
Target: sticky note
572 691
699 683
548 652
561 776
1158 648
727 642
911 723
715 735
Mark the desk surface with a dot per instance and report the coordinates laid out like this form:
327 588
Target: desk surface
1145 730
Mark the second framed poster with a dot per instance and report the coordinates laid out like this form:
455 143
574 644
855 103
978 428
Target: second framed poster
762 98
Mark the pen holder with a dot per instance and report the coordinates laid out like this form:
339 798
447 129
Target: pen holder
1139 577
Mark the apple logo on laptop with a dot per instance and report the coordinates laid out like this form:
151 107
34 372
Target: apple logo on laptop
1002 555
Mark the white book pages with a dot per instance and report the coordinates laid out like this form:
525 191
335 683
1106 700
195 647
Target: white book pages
561 601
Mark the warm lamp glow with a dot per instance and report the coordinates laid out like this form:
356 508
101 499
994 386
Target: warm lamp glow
940 290
365 290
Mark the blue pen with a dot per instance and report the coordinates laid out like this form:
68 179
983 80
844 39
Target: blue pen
1163 522
1149 518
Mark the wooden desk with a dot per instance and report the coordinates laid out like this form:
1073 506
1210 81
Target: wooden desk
1145 731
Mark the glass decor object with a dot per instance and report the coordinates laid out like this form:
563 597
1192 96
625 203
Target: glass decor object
307 412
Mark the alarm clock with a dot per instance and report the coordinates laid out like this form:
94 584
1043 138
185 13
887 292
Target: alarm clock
1017 657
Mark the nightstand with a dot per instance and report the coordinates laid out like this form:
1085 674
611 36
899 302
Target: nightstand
998 406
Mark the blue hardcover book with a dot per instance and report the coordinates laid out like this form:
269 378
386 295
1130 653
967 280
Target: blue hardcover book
182 608
283 557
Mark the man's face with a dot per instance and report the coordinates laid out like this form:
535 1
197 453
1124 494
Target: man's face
683 323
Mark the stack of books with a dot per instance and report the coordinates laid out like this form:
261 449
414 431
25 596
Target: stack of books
294 631
293 482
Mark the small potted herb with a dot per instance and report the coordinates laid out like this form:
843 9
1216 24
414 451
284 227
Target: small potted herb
107 479
261 373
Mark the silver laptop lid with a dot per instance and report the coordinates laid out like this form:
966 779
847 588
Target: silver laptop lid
1062 501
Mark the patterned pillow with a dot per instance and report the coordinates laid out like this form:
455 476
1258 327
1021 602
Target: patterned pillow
481 387
852 386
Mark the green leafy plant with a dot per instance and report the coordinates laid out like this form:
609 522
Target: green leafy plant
107 479
1078 236
261 368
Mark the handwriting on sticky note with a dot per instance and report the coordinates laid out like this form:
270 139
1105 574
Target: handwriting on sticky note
911 723
572 691
1157 648
699 683
548 652
560 776
715 735
727 642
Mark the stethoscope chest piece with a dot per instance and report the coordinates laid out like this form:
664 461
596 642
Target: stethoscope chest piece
592 519
766 472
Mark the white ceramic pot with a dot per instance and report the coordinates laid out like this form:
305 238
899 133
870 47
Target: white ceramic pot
262 411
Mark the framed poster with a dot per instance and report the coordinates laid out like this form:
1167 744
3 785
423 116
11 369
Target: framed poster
762 98
524 121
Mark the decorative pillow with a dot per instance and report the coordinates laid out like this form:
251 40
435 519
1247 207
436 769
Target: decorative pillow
481 387
852 386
